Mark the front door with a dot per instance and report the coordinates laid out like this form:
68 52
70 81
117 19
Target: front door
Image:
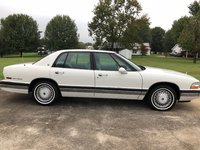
110 83
74 75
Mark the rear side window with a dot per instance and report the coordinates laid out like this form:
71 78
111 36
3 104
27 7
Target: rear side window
74 60
60 60
78 61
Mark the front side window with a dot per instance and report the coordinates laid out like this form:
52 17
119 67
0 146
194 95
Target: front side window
105 61
122 63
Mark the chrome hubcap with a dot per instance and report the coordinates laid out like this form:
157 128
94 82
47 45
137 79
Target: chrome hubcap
44 93
162 99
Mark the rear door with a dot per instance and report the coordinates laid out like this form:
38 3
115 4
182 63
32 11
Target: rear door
74 74
110 83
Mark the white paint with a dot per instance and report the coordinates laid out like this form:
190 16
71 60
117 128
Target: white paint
143 79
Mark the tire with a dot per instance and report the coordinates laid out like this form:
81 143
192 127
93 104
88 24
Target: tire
162 98
45 92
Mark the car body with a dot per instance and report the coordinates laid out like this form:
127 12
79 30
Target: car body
98 74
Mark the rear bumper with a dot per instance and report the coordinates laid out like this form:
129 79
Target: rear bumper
189 95
14 87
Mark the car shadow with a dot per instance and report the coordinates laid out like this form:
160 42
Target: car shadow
22 99
101 102
26 100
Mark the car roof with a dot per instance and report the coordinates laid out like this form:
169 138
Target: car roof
85 50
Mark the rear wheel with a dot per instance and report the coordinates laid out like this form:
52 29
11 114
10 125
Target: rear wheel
162 98
45 92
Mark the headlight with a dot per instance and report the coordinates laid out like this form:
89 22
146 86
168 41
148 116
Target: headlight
195 85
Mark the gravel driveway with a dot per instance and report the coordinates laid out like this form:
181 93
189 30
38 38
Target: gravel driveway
90 124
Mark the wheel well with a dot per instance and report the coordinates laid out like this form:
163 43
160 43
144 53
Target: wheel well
41 79
172 85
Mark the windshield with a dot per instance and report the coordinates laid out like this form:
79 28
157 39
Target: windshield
138 68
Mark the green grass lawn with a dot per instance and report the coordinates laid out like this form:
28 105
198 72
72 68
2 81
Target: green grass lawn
174 63
15 59
184 65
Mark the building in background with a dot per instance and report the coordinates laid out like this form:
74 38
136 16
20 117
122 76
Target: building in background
177 49
138 49
126 53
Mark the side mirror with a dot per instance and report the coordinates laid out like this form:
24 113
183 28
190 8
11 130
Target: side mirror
122 70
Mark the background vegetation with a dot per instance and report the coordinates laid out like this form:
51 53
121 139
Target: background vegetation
116 25
61 33
18 33
184 65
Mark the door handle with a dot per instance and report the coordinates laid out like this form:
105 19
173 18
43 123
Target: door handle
57 72
102 75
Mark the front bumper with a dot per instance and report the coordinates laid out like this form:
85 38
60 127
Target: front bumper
189 95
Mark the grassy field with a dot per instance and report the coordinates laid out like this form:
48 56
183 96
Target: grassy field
174 63
15 59
184 65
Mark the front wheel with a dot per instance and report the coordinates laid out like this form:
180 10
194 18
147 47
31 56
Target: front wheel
162 98
45 93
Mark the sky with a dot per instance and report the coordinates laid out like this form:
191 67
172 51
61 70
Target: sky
162 13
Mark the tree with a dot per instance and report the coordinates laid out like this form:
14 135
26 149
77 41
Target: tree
42 42
194 8
178 27
111 19
81 45
61 33
1 45
88 44
138 31
157 43
190 36
1 49
144 49
180 24
168 41
19 33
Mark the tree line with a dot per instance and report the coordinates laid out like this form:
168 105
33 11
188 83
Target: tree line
184 31
19 33
116 24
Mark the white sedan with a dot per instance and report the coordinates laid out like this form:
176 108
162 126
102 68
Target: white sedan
98 74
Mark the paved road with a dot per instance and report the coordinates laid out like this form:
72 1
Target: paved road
96 124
